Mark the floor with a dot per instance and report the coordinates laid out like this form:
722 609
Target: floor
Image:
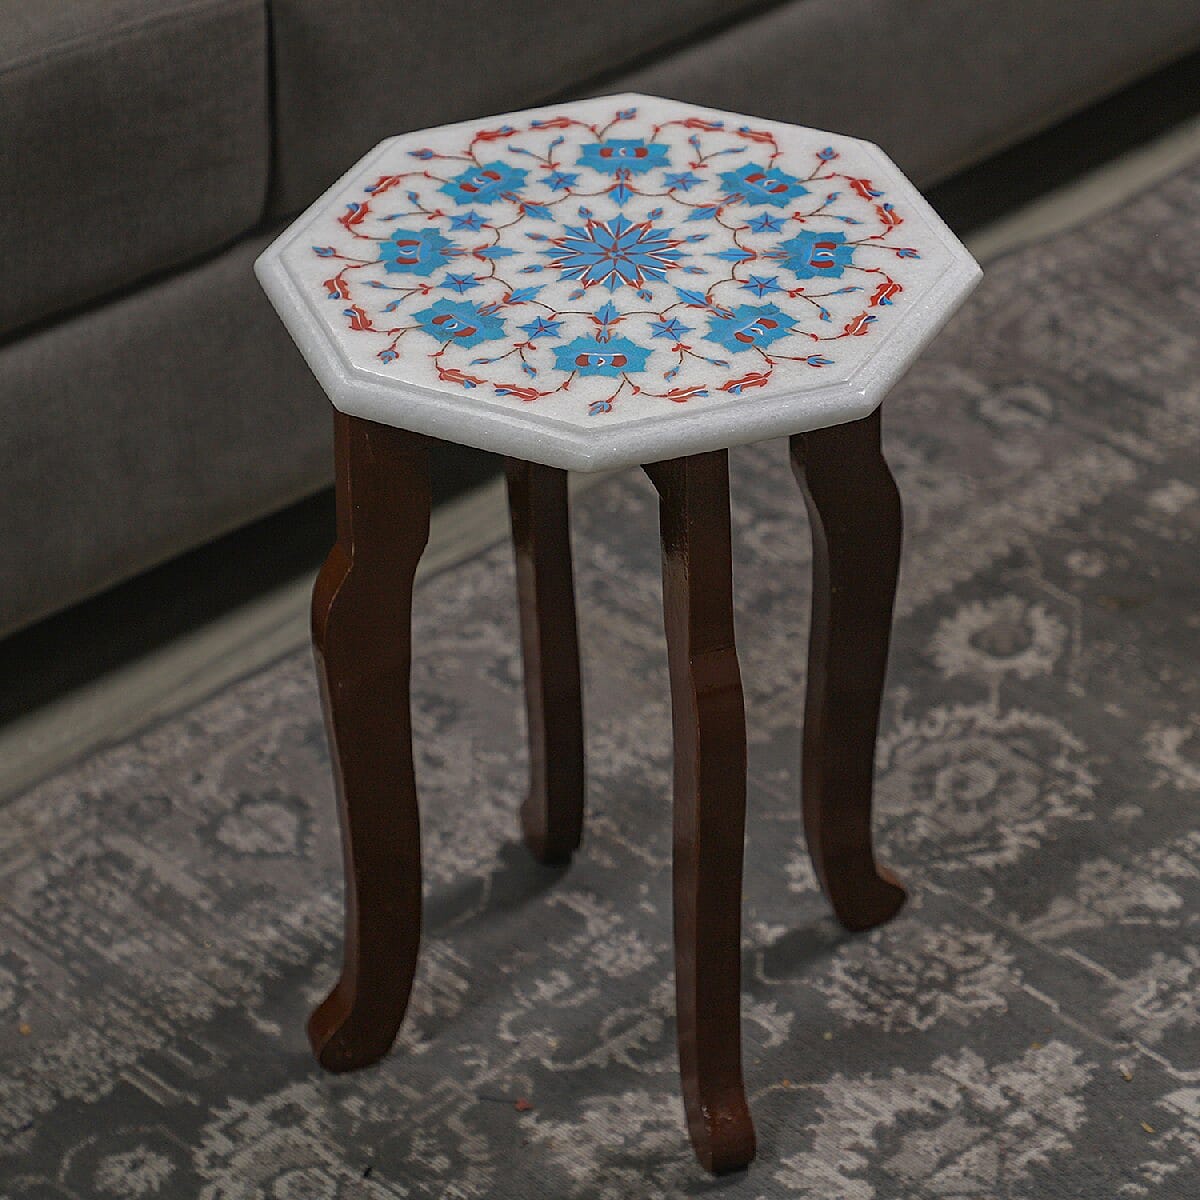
57 711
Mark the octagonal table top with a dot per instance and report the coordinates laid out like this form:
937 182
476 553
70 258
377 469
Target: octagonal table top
615 281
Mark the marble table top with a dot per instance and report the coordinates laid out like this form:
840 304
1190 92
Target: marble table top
615 281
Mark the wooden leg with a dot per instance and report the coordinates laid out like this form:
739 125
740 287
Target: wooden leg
710 802
854 509
362 639
552 815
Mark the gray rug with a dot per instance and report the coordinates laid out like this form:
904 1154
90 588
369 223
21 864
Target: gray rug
1029 1026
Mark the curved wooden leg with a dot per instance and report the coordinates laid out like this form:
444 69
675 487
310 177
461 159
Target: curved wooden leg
710 802
552 815
854 508
362 639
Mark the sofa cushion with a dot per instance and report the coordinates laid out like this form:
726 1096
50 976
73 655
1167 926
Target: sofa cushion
147 426
134 135
349 75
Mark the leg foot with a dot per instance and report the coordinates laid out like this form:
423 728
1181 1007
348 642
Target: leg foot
854 510
552 815
710 803
362 640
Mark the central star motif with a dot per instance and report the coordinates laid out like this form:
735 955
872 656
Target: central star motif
615 253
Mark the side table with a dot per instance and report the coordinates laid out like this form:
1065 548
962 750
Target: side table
614 282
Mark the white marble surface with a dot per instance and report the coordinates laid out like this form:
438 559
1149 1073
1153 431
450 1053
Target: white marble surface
615 281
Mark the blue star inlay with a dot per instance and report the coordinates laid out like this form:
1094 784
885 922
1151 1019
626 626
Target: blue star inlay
460 283
672 328
760 285
543 327
765 223
469 220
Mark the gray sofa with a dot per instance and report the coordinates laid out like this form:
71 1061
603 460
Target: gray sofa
149 399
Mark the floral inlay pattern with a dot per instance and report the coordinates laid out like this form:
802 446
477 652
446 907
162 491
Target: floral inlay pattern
675 258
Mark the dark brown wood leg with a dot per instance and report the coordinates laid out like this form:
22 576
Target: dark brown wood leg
710 802
854 508
362 639
552 815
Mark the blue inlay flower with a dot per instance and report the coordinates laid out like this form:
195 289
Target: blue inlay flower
622 154
543 327
760 285
749 326
460 322
684 181
561 181
763 185
469 220
587 356
672 328
460 283
811 255
615 253
606 316
485 184
765 223
416 253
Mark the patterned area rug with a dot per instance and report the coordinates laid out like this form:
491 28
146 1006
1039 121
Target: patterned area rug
1028 1027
